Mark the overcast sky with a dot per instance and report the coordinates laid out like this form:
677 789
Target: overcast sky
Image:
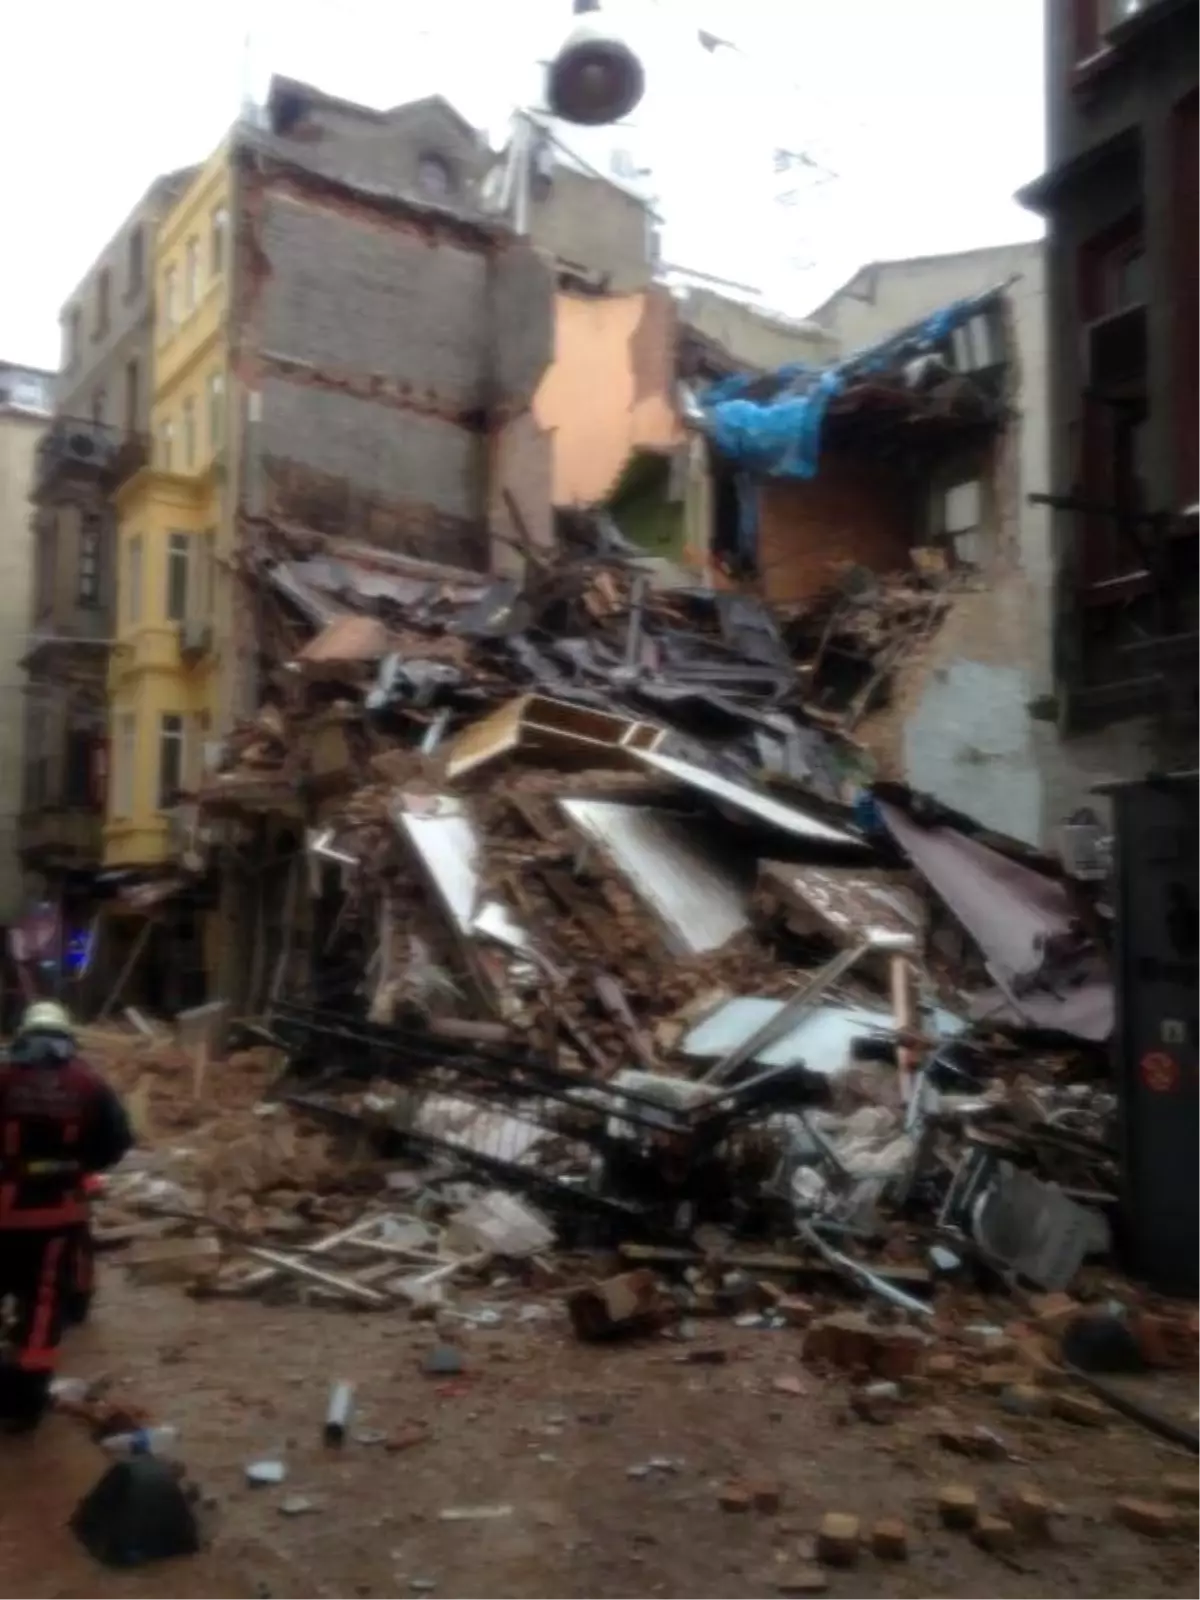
928 113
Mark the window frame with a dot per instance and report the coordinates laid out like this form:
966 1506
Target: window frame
123 789
218 240
188 432
91 531
170 298
191 274
136 560
166 445
216 412
178 577
78 764
135 261
103 319
171 739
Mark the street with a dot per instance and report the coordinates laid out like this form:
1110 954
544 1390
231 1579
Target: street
588 1470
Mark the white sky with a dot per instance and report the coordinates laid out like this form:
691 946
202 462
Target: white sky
928 111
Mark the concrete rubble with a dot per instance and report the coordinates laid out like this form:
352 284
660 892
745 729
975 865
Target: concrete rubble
641 1006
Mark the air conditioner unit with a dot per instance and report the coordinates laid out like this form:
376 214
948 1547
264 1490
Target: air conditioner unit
195 638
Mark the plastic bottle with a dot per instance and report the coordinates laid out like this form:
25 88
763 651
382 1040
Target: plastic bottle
140 1441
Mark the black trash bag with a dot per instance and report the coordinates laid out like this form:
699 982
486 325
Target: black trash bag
138 1512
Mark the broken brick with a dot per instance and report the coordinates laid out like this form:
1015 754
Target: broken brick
1027 1400
994 1534
405 1438
900 1353
838 1539
940 1365
1181 1488
736 1497
1029 1511
979 1443
958 1505
1081 1409
1000 1376
804 1580
849 1341
1151 1518
631 1303
789 1384
889 1539
765 1495
1166 1341
1054 1313
797 1313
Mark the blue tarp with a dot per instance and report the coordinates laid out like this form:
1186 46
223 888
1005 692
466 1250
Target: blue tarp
780 436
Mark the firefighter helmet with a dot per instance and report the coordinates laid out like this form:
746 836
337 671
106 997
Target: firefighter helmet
47 1016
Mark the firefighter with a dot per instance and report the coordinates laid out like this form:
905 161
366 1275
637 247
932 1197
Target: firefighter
59 1123
81 1269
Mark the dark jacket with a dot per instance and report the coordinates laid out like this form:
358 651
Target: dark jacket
59 1120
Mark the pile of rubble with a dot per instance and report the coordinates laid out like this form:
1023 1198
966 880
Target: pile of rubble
615 941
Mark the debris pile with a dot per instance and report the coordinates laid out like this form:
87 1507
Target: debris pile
601 934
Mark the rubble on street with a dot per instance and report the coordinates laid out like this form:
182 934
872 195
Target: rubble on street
645 1003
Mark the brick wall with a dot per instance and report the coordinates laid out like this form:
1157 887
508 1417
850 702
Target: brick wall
856 511
383 347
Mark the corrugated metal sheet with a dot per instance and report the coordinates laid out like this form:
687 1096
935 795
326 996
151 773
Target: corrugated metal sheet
699 896
821 1040
788 818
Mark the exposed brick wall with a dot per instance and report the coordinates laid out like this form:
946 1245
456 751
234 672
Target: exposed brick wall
377 297
594 224
382 348
852 511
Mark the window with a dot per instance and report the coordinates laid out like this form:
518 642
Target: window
133 588
217 241
124 763
136 266
195 747
1125 278
178 561
37 766
166 445
103 295
132 396
170 302
216 411
89 561
99 400
434 177
170 758
189 434
46 531
1095 19
191 274
71 337
78 786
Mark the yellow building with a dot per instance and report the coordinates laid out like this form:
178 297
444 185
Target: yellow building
173 534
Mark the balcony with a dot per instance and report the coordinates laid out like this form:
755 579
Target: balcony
60 836
75 448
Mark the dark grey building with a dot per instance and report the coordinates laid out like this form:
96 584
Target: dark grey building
1120 200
